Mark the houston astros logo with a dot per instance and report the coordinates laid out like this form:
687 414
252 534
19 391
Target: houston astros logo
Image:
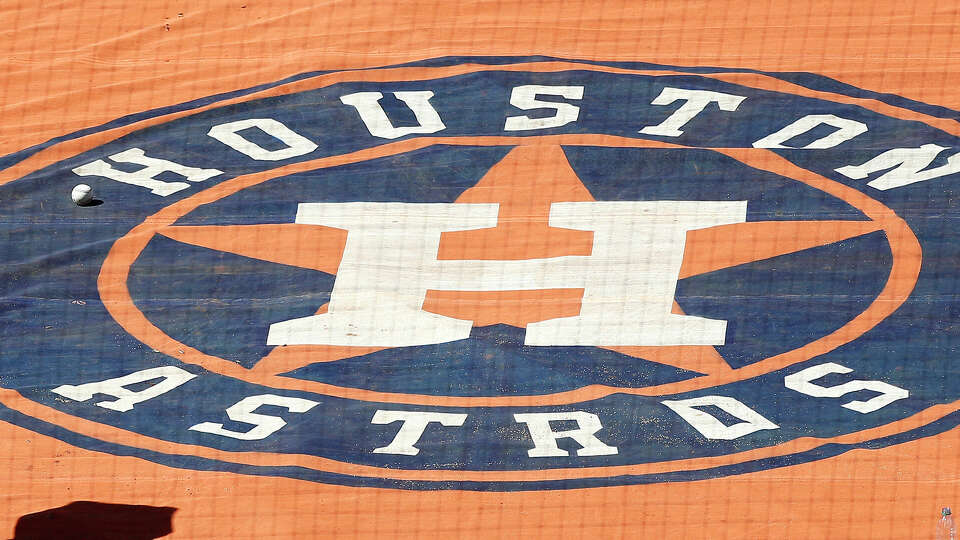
503 274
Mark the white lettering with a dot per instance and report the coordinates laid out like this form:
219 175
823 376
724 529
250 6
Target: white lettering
910 164
390 261
545 439
172 377
263 425
146 177
712 428
374 117
695 101
846 130
525 98
228 134
412 428
801 382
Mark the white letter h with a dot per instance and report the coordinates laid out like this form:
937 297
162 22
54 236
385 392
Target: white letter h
390 261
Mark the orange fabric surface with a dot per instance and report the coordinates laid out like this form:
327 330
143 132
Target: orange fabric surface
70 65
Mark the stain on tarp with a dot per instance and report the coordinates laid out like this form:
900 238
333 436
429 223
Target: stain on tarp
88 520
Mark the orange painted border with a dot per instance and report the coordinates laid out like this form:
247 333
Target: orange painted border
69 65
63 150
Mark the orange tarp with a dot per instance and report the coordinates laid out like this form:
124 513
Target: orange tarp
70 65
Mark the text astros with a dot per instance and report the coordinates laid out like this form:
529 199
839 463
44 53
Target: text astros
413 424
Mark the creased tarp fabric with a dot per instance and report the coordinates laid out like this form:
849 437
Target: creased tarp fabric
72 68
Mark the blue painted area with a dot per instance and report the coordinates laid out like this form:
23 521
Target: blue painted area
222 303
642 175
54 329
776 305
493 362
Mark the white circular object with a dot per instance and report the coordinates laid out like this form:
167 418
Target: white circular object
81 194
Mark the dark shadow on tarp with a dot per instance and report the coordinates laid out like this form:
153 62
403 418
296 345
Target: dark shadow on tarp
86 520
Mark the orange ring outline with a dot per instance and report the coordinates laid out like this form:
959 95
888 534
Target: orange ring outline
114 272
65 149
60 151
